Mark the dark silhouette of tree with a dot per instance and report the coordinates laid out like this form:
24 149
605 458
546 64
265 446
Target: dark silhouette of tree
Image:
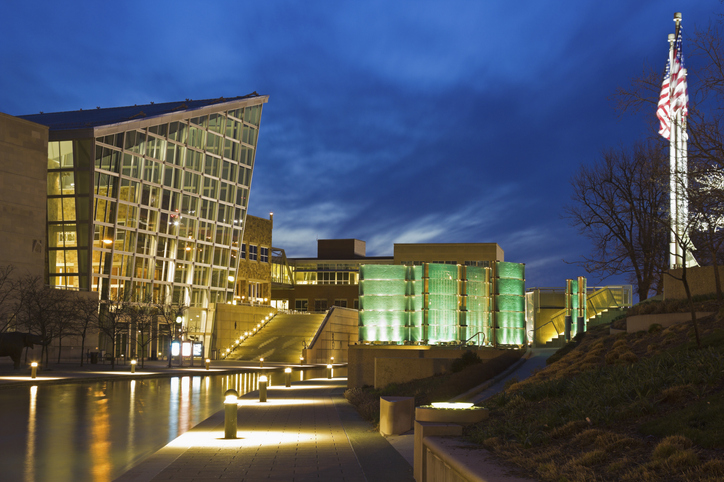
620 202
86 316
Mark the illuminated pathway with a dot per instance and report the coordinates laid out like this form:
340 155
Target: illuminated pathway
306 432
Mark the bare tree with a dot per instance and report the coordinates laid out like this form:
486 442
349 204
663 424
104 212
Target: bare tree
141 318
8 301
86 316
41 310
112 322
620 203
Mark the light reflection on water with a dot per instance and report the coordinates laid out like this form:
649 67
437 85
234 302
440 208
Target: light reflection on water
96 431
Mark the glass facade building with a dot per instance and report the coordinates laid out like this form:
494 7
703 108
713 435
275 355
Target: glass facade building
148 203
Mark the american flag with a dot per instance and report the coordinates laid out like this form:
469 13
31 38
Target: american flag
680 96
662 111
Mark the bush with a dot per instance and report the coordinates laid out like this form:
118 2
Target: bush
468 358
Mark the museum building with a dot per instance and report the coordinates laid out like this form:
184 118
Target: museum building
147 203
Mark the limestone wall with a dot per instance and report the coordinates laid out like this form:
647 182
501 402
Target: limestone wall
337 335
700 279
233 320
23 181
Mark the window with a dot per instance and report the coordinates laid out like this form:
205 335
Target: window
264 255
300 305
355 305
253 252
243 251
320 305
341 303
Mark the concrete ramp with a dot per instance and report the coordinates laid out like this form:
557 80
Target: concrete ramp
281 340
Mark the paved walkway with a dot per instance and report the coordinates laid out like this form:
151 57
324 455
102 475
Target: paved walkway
303 433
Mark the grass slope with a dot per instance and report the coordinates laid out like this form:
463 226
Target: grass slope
642 406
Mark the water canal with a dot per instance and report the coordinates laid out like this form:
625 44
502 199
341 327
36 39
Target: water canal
96 431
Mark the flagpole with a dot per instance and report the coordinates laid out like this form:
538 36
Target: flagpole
673 187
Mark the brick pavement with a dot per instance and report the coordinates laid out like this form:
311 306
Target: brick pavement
304 433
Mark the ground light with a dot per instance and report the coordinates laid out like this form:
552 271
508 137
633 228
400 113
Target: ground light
231 398
133 366
288 376
261 362
329 372
33 369
301 360
207 362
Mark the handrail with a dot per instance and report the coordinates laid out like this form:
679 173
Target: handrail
478 333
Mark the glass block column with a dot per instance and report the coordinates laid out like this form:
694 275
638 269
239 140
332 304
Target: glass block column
441 302
509 303
476 289
383 303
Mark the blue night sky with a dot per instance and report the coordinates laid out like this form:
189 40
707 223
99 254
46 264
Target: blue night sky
387 121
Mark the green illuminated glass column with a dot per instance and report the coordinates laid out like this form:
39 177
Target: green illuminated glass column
442 303
477 291
509 303
415 307
382 302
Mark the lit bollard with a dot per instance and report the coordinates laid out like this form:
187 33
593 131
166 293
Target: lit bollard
331 359
33 369
207 363
133 366
262 388
230 413
329 372
261 363
288 376
301 360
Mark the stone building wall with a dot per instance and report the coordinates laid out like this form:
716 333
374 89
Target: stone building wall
257 232
23 184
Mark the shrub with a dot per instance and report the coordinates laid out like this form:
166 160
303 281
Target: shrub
655 328
468 358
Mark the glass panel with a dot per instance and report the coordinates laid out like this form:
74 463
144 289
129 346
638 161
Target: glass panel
177 131
135 141
216 123
192 181
155 148
213 143
211 166
196 137
194 160
175 154
60 155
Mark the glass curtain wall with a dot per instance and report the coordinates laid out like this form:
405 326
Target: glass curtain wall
154 214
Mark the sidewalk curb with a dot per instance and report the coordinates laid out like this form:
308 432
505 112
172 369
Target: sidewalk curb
484 386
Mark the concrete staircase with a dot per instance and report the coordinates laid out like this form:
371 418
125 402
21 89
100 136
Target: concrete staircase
280 340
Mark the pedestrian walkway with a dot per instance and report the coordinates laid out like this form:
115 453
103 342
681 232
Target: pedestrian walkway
302 433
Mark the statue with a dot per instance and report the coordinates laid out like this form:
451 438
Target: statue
12 344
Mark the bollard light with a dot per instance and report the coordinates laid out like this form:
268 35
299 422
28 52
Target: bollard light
33 369
288 376
133 366
231 398
329 372
261 363
301 360
331 359
262 388
207 362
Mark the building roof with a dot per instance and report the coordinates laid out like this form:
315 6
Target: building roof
84 119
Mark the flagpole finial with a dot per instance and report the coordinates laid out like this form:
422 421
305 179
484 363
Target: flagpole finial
672 38
677 17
